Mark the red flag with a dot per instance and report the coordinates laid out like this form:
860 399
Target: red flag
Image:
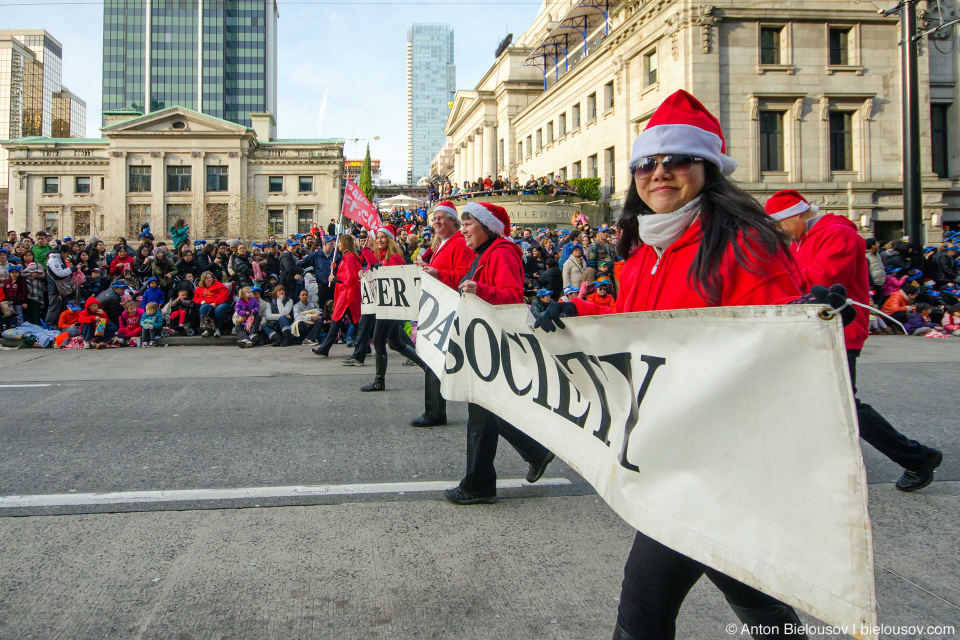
358 208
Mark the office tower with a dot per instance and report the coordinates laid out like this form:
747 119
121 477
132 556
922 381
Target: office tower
214 56
431 85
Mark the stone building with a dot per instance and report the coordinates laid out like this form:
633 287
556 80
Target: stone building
808 96
225 180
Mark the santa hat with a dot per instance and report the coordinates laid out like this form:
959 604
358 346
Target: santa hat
447 208
681 124
489 215
786 204
390 230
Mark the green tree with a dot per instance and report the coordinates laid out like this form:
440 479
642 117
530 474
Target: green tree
366 182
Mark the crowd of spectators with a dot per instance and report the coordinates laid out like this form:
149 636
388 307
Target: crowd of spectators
444 189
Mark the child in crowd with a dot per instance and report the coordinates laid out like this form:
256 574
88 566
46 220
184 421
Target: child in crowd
152 293
900 301
305 316
246 317
183 312
15 289
919 322
96 282
69 320
152 323
130 321
279 317
951 320
36 292
541 303
94 325
569 293
601 295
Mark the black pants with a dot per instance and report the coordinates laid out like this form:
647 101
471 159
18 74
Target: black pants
335 328
880 434
434 406
243 334
390 332
364 333
483 431
657 579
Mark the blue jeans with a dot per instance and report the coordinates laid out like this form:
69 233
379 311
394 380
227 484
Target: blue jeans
219 314
283 323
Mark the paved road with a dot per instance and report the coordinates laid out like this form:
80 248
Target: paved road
367 561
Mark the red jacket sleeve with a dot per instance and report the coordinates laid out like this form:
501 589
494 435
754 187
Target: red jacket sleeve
198 295
396 260
835 255
763 279
456 262
223 294
585 308
501 281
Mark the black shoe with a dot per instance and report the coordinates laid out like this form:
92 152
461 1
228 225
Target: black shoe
376 385
913 480
424 421
319 352
459 496
536 470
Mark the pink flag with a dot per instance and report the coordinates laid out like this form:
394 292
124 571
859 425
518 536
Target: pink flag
358 208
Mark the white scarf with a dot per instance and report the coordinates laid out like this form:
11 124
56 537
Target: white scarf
660 230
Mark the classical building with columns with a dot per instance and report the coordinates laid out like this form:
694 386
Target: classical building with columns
808 96
225 180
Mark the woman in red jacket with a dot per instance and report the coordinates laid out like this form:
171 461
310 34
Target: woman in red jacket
495 276
346 294
214 301
121 264
693 240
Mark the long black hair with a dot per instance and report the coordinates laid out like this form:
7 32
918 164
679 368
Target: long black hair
727 213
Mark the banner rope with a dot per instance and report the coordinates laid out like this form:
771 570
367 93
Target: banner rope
830 312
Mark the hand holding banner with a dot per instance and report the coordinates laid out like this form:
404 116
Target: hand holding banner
358 208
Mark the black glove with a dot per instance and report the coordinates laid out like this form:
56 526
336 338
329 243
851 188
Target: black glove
549 320
835 297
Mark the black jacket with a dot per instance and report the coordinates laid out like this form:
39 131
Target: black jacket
552 278
943 268
110 303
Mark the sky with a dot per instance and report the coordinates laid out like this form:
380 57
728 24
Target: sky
341 64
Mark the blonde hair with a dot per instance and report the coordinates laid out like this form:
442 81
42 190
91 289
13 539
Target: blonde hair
151 307
126 305
392 247
246 290
347 243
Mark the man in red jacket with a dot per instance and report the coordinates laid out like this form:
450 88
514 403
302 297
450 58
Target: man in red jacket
829 251
449 263
496 276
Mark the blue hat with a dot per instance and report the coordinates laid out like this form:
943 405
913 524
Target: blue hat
951 247
256 287
7 251
914 275
602 283
74 306
152 279
271 244
328 239
544 292
293 243
67 239
571 289
273 275
258 245
118 283
14 267
890 269
199 243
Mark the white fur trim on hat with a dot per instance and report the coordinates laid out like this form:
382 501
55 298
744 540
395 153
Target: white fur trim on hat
448 210
795 210
682 138
485 217
385 231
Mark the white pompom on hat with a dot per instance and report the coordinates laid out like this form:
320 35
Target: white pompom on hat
786 204
448 208
681 124
493 217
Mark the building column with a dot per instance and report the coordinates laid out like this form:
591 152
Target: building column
489 150
456 165
471 159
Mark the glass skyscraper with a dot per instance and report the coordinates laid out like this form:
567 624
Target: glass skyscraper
431 85
214 56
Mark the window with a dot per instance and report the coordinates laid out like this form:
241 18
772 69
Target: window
81 223
608 96
770 45
139 180
178 179
591 107
940 139
550 132
529 146
304 220
611 177
576 170
839 45
306 184
771 140
51 222
137 216
276 184
575 116
562 125
275 222
216 178
81 185
841 141
519 151
650 68
592 166
216 221
51 185
563 173
539 139
500 159
176 212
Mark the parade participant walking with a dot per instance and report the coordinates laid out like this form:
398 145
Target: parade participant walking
450 262
346 295
368 320
693 240
495 276
389 332
829 251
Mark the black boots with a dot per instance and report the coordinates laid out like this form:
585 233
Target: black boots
620 634
381 374
777 621
410 353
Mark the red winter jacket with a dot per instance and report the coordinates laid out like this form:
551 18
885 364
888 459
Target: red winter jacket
832 252
499 275
346 295
396 260
90 317
119 265
215 294
646 288
452 260
15 292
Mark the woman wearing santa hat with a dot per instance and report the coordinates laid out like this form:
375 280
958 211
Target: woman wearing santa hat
495 276
346 296
693 240
390 332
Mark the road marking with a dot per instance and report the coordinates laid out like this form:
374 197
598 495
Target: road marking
192 495
21 386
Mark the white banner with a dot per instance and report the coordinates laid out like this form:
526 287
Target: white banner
727 434
392 293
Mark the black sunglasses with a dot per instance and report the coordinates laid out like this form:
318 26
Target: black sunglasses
678 163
